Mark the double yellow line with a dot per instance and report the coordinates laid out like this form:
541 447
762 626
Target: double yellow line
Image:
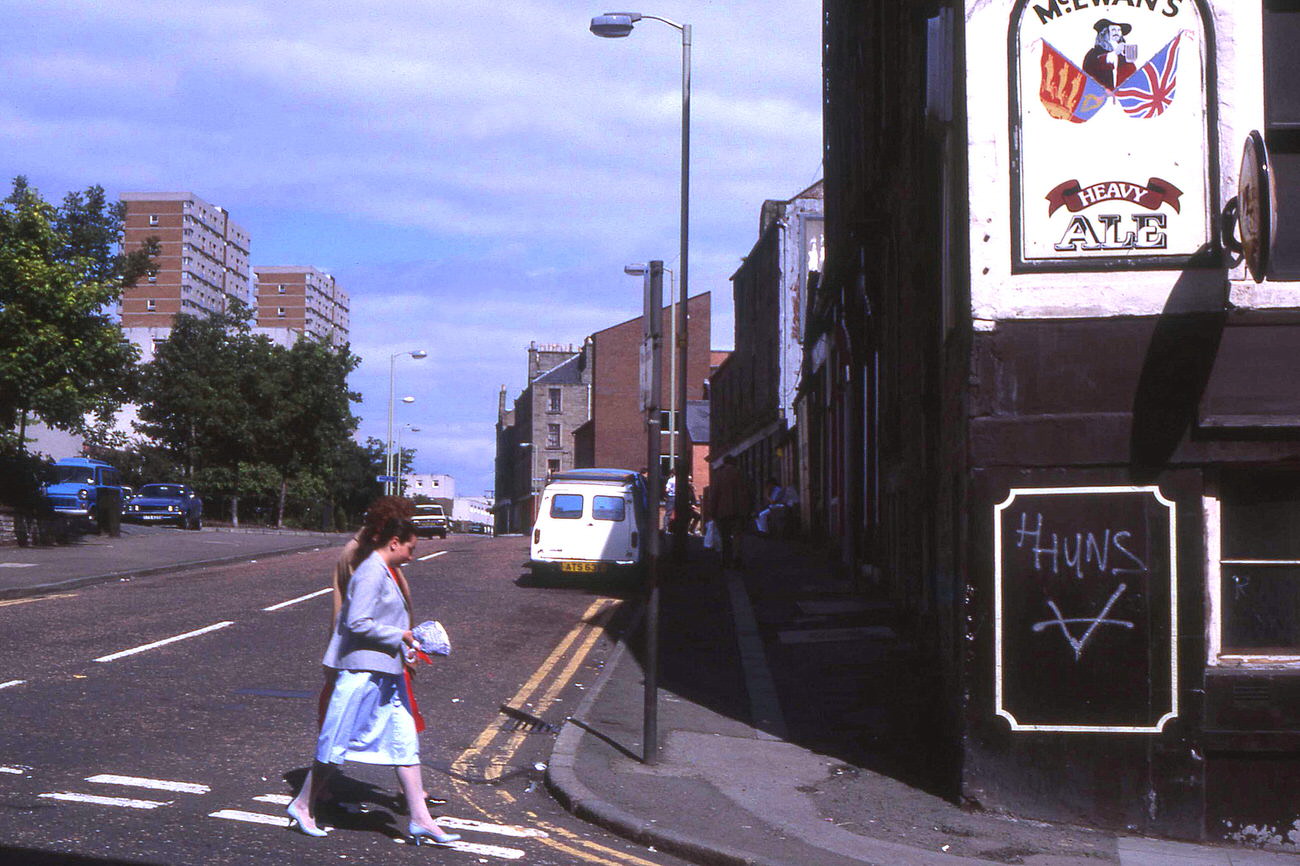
491 758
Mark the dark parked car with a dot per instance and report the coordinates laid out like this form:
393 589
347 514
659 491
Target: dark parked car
86 491
166 503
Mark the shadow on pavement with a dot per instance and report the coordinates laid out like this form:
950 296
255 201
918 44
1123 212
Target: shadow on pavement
32 857
850 682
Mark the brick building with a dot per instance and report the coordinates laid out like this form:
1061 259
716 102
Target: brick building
535 437
202 264
754 391
616 438
1050 386
295 301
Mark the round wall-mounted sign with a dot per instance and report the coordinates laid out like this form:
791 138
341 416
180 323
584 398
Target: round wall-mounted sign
1257 199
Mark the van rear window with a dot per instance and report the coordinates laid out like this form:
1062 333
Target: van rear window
607 508
567 506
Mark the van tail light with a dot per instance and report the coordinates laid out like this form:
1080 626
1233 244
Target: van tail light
537 536
634 539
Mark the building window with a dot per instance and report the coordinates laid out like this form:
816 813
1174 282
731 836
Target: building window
552 435
552 467
153 219
1253 572
280 289
279 311
554 399
1282 128
153 276
151 305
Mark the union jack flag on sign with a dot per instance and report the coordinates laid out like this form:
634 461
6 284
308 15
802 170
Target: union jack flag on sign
1149 91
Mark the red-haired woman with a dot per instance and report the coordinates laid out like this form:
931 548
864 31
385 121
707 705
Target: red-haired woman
370 717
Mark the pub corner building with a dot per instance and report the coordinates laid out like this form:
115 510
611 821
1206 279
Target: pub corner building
1128 635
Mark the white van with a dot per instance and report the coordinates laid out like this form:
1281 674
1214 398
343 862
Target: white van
590 520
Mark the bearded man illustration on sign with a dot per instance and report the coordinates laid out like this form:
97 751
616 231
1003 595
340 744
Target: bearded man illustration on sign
1111 55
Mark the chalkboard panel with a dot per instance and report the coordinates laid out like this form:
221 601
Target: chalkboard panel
1086 611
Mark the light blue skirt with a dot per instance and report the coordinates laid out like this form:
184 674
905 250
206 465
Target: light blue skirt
368 720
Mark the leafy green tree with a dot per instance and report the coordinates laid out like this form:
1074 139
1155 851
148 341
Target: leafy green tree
62 357
210 398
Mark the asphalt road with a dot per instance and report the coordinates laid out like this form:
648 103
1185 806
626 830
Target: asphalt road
166 719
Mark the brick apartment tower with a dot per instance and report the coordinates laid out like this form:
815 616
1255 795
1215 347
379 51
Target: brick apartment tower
300 300
202 264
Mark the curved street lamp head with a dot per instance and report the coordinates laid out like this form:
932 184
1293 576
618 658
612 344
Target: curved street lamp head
613 25
419 353
408 399
636 270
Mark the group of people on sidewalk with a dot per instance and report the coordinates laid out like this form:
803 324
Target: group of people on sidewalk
727 510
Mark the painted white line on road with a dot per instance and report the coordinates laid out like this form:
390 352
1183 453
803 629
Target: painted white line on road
485 850
13 771
498 829
275 799
430 555
251 817
189 634
18 564
298 599
11 684
106 801
156 784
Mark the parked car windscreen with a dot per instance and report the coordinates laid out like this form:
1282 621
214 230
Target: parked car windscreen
567 506
161 490
608 508
74 475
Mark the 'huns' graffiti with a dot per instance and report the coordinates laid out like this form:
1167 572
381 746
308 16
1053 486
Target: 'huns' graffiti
1101 557
1085 609
1110 91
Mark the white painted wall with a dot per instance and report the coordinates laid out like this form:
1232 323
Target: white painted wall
997 293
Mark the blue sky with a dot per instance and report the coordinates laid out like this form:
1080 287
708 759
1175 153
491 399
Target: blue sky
475 175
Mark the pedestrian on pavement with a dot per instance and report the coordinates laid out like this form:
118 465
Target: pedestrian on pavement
372 717
728 504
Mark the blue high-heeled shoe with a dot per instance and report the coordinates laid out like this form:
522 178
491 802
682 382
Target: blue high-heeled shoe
295 820
418 834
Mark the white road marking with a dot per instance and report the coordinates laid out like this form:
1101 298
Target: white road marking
298 599
13 771
156 784
430 555
106 801
251 817
275 799
485 850
18 564
498 829
189 634
12 683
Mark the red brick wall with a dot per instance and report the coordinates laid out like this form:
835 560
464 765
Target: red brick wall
619 434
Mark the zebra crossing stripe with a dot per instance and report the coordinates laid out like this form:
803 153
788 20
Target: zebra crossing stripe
13 771
498 829
156 784
93 799
251 817
481 850
274 799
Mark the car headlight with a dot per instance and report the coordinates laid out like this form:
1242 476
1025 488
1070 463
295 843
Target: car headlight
83 493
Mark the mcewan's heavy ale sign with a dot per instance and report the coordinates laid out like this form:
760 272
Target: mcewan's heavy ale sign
1111 133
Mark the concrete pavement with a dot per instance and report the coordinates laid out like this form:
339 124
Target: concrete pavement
757 667
141 550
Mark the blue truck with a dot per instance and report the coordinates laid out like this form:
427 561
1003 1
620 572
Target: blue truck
88 493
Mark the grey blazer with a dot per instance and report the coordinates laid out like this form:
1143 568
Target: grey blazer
368 633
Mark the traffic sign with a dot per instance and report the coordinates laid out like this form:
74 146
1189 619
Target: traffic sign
387 479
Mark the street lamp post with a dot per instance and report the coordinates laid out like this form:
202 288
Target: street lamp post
417 354
613 25
398 468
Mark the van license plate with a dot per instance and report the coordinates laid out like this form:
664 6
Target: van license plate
580 566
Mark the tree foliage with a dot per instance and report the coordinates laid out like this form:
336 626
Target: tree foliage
62 357
244 417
